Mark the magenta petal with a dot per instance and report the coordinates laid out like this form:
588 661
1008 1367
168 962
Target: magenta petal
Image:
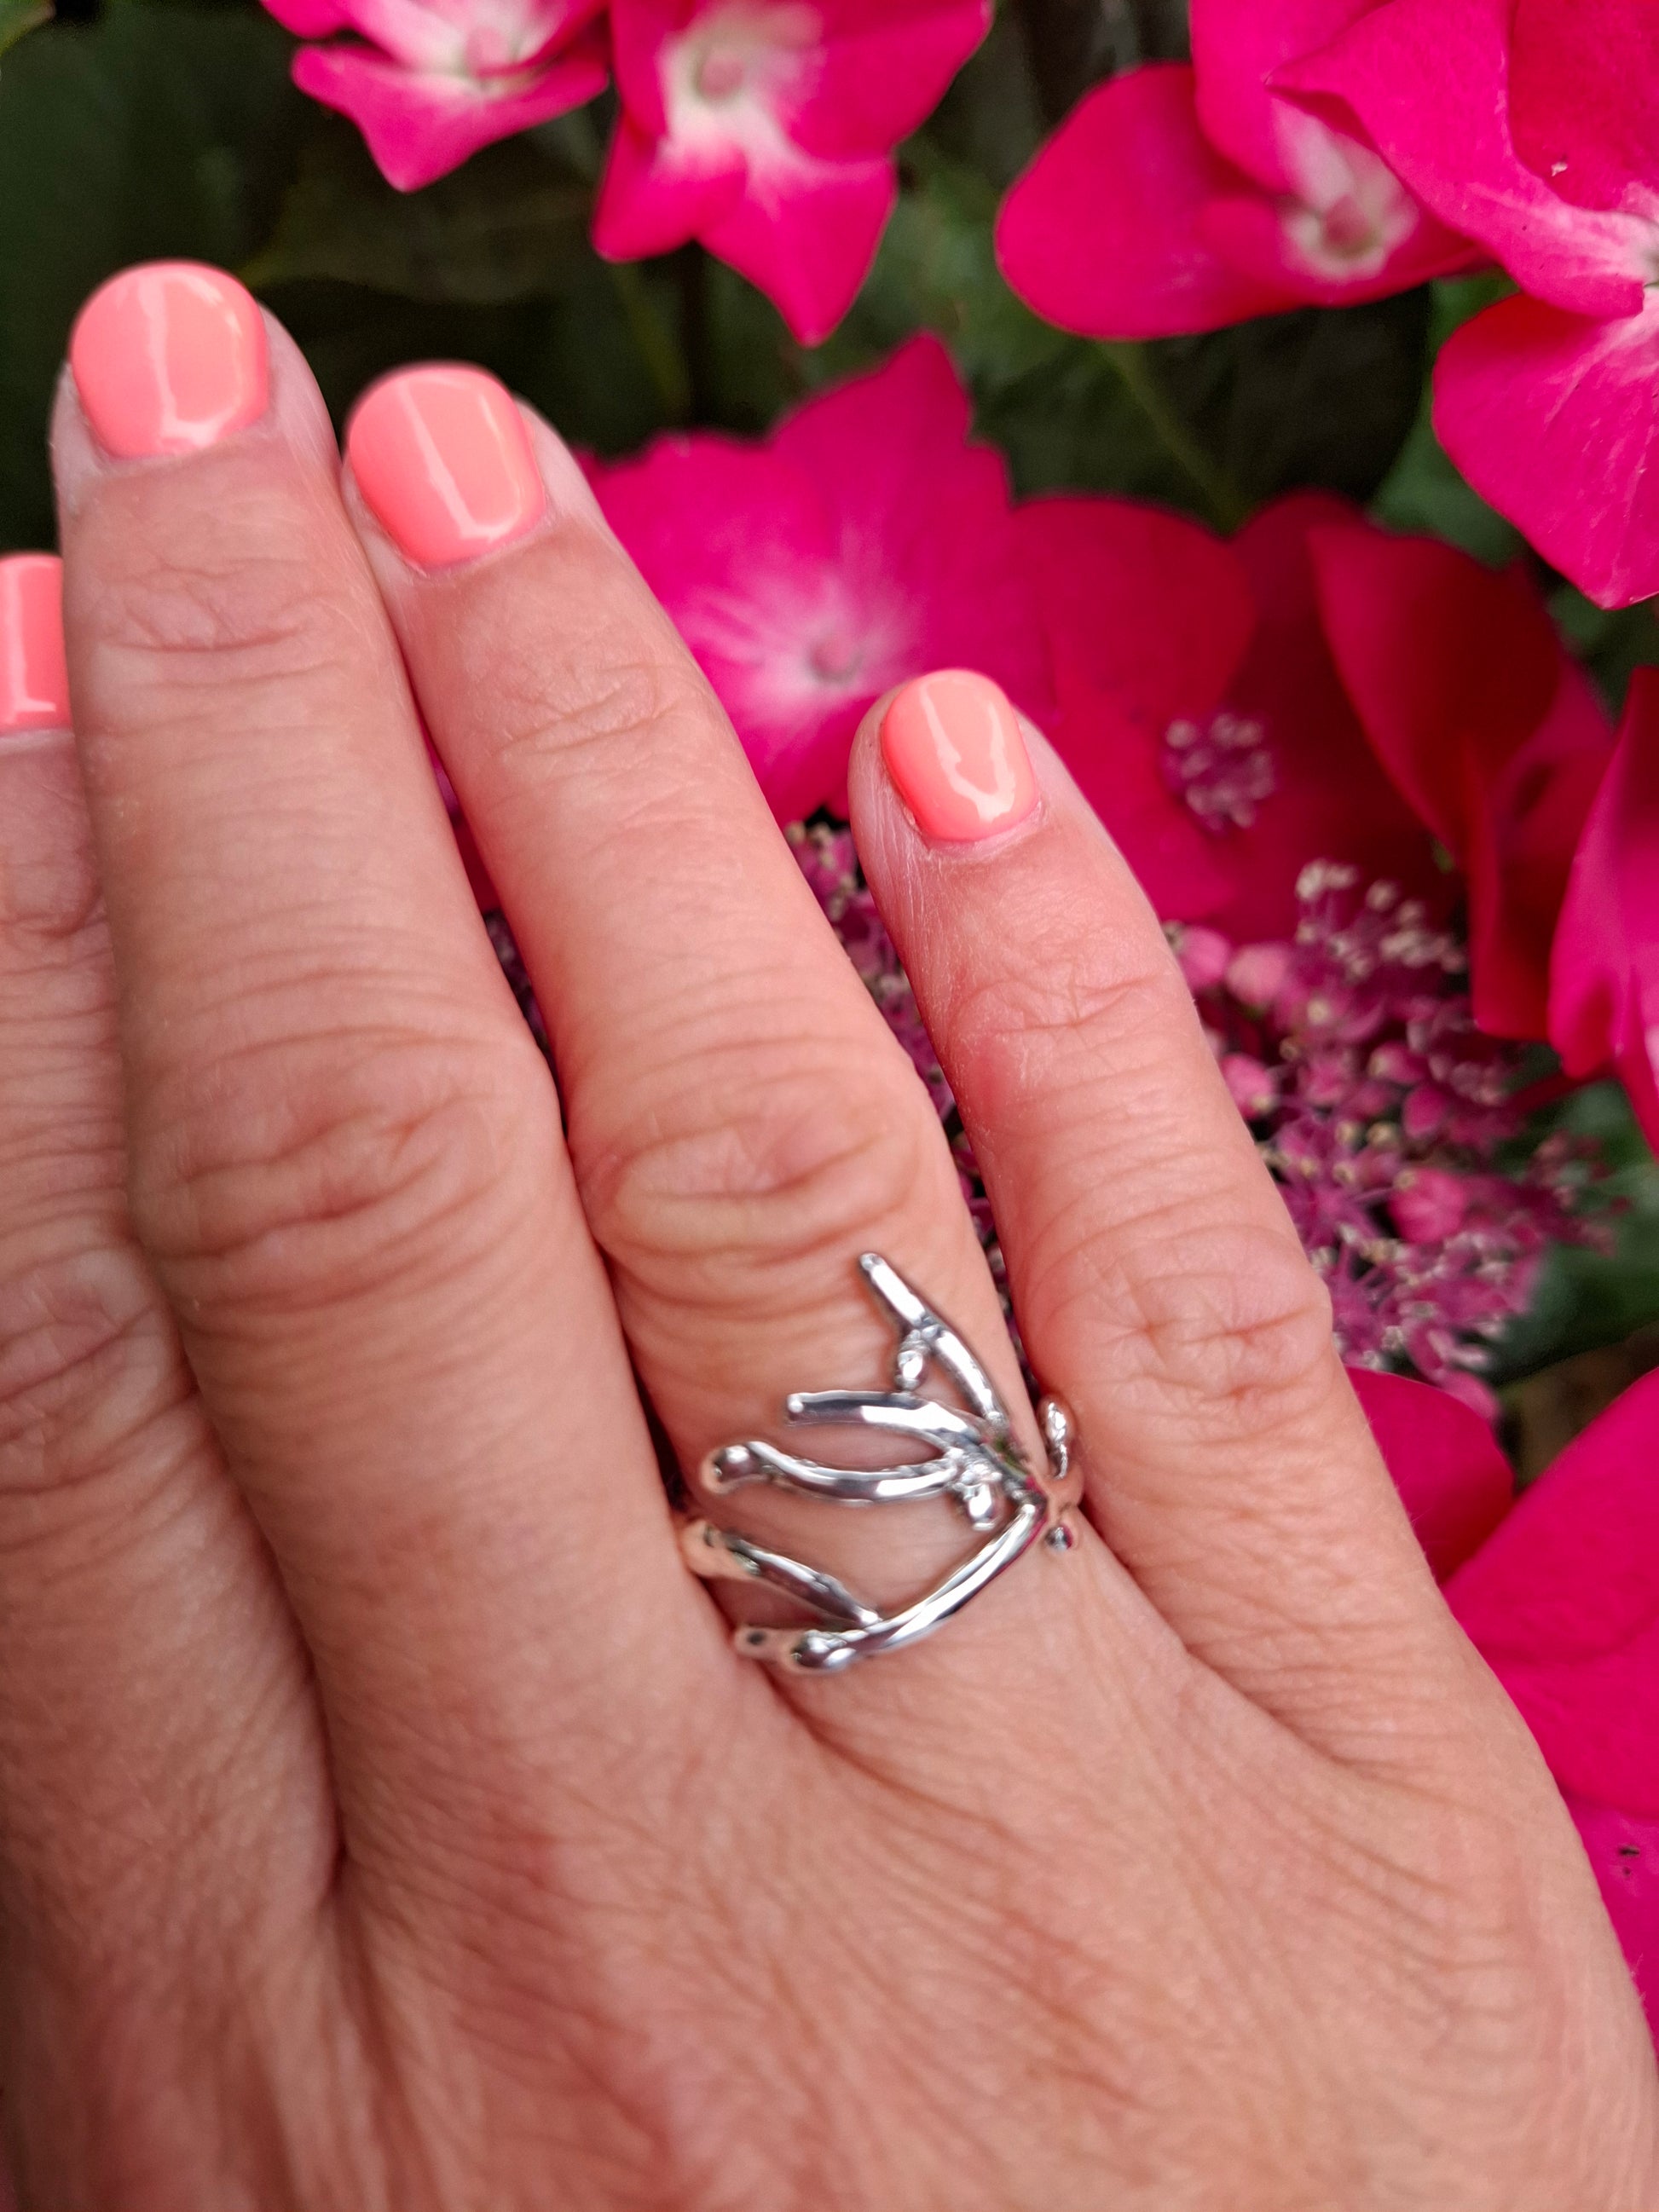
1604 970
1453 1480
1140 602
1624 1854
1523 826
805 234
419 127
308 18
648 202
1427 80
881 68
1236 49
1103 234
1563 1602
1440 656
1551 419
1584 96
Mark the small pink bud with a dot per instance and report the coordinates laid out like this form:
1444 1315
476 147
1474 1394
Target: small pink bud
1202 956
1257 974
1253 1089
1424 1113
1430 1204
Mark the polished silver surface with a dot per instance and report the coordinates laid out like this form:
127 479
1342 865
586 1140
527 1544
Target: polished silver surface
974 1463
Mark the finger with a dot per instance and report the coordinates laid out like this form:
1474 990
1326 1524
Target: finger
1158 1280
347 1166
742 1123
164 1792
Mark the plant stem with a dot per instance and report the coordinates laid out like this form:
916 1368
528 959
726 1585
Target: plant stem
656 342
1227 504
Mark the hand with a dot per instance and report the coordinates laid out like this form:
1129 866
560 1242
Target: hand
385 1817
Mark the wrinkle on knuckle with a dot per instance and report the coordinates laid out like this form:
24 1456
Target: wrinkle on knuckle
599 713
1056 1021
790 1156
87 1356
296 1176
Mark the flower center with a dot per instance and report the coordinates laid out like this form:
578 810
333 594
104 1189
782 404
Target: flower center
1224 769
722 73
836 658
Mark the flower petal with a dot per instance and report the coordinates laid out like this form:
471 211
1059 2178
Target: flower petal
1563 1602
881 68
1551 418
1604 969
1453 1480
307 19
1234 51
1584 96
1624 1854
1428 81
419 127
1102 232
805 231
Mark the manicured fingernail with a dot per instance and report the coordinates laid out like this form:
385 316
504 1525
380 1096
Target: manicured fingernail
952 745
33 681
440 455
168 358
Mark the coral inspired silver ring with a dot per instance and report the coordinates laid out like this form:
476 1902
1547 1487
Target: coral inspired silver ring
975 1463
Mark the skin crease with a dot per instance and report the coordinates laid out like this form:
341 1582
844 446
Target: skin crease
384 1819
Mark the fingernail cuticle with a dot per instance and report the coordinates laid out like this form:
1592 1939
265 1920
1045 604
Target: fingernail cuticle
168 358
34 680
441 456
953 747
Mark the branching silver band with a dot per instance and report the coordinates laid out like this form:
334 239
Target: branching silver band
975 1462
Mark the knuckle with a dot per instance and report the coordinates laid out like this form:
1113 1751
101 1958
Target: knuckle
87 1357
803 1153
265 604
1059 1024
289 1177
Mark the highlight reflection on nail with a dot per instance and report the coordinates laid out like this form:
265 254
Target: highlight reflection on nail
168 358
440 455
953 747
34 680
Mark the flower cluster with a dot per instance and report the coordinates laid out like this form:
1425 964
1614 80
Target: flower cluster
764 128
1391 1123
1325 150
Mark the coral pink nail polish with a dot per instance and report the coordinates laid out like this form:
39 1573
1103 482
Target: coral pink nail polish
168 358
440 455
953 747
33 681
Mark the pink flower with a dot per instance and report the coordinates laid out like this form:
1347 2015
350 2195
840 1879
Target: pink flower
1561 1598
440 78
1177 199
1202 715
766 128
1604 993
1529 125
864 542
1484 724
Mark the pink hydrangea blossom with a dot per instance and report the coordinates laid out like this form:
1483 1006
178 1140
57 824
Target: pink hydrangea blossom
1560 1595
1604 995
1529 125
429 82
1389 1123
1202 715
866 541
1177 198
766 128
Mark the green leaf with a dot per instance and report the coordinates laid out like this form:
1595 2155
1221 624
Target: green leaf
1586 1299
158 131
510 224
19 17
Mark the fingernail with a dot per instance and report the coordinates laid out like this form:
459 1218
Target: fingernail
953 747
440 455
168 358
33 681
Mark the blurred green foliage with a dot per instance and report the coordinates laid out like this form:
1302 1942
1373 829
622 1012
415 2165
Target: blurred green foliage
133 128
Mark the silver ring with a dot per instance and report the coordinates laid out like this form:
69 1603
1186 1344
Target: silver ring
976 1464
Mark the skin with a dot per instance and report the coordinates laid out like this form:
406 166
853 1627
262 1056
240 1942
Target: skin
386 1820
